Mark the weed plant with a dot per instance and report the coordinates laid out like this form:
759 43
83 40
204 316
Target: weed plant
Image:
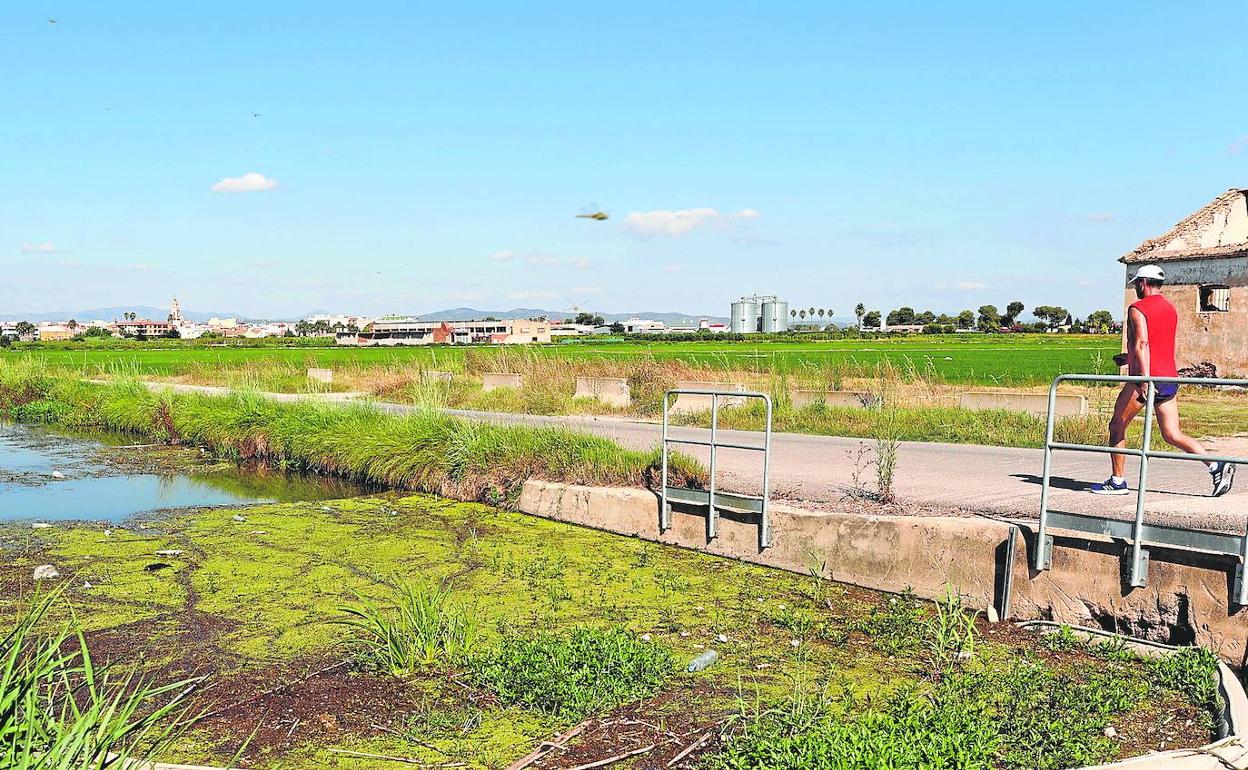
573 675
421 628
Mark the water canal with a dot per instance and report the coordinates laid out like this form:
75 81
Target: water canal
49 475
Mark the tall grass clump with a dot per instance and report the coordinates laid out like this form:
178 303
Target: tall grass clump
576 674
427 451
60 711
421 628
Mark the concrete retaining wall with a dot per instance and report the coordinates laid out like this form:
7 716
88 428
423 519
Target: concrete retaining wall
686 404
608 390
498 380
846 398
432 375
321 375
1183 602
1032 403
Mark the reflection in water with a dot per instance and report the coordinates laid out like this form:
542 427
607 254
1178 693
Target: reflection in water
27 491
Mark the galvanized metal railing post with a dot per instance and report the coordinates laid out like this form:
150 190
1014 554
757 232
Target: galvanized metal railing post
1139 567
1241 584
664 509
765 534
712 518
1044 546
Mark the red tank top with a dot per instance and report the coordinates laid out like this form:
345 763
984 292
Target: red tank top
1162 320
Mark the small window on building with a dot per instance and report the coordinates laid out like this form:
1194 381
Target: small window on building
1215 298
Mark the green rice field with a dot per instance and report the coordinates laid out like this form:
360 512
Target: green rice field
1023 359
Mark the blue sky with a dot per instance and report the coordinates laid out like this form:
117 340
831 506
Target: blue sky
412 156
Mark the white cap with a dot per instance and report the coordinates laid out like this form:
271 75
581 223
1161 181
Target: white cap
1150 272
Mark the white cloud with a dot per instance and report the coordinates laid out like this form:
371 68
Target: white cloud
1238 146
587 290
670 223
672 268
1100 216
531 294
580 263
503 256
747 214
37 248
970 285
249 182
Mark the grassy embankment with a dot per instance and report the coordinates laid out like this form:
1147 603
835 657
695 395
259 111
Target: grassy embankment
429 451
919 379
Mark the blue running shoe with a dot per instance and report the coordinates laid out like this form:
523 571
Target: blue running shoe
1108 487
1223 477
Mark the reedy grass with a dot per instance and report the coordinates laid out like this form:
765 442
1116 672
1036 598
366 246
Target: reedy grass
428 451
420 628
60 711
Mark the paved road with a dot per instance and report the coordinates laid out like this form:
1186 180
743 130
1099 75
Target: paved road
953 477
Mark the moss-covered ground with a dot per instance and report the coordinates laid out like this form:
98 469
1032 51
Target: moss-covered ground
248 597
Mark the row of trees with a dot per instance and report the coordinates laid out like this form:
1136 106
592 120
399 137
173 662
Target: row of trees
811 312
988 318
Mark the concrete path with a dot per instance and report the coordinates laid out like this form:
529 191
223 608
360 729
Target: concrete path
949 477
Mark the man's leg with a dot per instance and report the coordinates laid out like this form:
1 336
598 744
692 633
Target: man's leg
1125 410
1168 422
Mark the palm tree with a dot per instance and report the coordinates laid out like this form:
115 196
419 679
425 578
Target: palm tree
860 311
803 315
812 312
793 313
821 312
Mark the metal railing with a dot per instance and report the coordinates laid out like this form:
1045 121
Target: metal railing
1137 533
712 499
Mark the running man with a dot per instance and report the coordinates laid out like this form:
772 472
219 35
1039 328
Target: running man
1151 324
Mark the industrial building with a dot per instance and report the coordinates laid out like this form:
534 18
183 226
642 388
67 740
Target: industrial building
393 330
759 314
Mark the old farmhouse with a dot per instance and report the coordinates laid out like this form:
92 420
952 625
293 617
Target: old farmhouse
1206 262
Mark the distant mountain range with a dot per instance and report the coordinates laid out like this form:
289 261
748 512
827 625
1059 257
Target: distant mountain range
470 314
111 313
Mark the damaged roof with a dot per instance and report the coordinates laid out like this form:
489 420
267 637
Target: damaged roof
1220 229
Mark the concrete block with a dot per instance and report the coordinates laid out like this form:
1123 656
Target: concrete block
1031 403
321 375
856 399
686 404
431 375
496 380
609 390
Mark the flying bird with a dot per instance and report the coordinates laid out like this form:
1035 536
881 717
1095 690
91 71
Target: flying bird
51 20
255 114
598 215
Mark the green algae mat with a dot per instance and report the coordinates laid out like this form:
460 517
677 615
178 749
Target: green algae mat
390 631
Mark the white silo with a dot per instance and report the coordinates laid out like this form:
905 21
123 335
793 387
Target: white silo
775 315
744 319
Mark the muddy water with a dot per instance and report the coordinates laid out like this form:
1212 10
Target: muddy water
47 476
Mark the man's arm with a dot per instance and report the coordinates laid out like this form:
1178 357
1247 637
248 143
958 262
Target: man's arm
1137 350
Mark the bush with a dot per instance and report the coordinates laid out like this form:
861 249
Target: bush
573 675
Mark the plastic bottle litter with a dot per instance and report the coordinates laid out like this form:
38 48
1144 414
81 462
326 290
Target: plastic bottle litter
702 661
